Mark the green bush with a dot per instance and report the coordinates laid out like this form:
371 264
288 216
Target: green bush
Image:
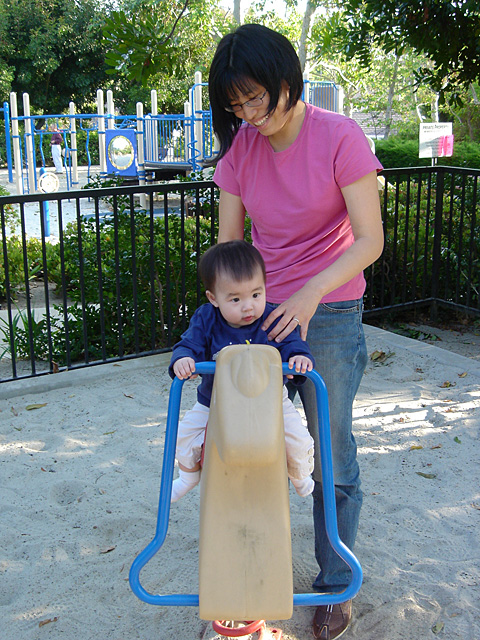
23 266
405 268
127 279
396 152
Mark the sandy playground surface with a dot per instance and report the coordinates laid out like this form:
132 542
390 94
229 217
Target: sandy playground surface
80 477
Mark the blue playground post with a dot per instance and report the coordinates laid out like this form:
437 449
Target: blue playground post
8 143
45 212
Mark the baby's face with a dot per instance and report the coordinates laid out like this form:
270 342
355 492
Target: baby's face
240 302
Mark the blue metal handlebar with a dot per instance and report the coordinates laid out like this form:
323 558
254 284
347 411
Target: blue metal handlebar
299 599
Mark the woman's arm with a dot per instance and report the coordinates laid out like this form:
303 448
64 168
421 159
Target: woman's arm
231 217
363 206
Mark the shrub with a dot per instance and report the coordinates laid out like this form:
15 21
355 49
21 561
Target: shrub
396 152
24 266
127 278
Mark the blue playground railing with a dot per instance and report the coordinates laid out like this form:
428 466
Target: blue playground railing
299 599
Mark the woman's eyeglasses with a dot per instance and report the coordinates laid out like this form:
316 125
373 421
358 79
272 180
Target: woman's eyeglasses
253 102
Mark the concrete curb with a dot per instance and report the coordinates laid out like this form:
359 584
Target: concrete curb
77 377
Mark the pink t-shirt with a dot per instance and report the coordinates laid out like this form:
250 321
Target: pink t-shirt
300 222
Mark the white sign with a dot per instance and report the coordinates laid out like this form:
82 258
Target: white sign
435 140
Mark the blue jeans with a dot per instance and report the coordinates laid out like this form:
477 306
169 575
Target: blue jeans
336 339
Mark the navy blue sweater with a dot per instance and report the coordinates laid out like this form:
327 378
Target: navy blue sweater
209 332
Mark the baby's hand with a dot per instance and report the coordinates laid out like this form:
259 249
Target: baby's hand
184 368
300 363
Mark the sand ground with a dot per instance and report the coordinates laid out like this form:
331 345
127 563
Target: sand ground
80 477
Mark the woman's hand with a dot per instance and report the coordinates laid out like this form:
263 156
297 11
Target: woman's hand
298 310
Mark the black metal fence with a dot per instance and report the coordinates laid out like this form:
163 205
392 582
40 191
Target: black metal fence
120 279
432 243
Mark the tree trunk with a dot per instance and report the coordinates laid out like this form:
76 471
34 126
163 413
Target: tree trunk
474 94
236 11
306 24
391 94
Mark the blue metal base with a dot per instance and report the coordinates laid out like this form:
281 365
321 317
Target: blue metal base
299 599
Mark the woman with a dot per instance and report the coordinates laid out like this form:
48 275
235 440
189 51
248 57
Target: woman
308 180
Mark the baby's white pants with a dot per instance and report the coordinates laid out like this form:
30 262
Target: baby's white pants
298 442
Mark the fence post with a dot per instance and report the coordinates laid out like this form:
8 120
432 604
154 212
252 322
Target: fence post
197 108
437 241
17 156
110 110
32 177
101 133
153 141
141 153
306 87
188 126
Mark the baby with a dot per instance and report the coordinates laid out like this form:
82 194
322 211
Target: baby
234 277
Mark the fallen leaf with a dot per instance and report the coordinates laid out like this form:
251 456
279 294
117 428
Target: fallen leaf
42 623
437 627
380 356
17 428
415 447
38 405
128 396
475 505
457 440
55 368
436 446
447 384
430 476
462 375
15 413
108 549
109 433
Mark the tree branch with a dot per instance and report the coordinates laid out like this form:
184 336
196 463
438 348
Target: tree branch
175 23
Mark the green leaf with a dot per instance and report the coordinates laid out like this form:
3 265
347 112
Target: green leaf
437 627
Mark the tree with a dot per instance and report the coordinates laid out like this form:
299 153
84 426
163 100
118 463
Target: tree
140 40
446 32
160 45
384 89
52 50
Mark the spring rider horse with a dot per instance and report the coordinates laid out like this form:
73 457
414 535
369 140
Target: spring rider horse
245 553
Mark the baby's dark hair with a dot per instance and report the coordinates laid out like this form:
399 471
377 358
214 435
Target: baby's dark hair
251 54
237 259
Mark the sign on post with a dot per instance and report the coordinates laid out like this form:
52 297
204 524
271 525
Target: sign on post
435 140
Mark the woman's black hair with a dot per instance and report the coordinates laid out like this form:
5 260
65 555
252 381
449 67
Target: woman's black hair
236 259
251 54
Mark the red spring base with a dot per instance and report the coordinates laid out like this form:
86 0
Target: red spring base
249 628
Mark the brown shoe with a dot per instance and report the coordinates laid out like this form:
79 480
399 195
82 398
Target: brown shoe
331 621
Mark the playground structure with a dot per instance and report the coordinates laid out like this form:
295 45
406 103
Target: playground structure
245 556
142 147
